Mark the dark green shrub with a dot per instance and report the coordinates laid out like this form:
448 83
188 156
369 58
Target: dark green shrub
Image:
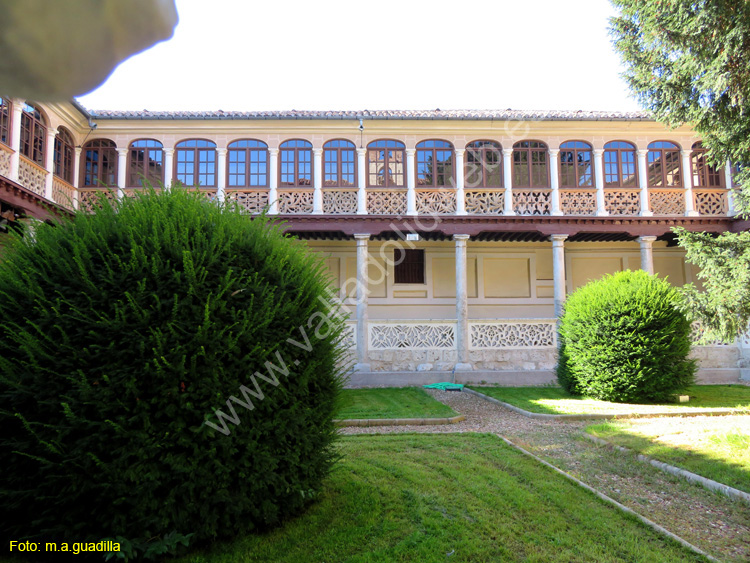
622 339
121 334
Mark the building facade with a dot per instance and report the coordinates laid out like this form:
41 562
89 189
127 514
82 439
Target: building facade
452 237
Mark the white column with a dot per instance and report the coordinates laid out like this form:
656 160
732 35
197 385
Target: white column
76 176
601 207
728 183
554 178
168 168
273 182
362 182
687 178
643 183
362 291
49 163
221 174
558 271
411 194
460 201
462 306
508 182
647 254
317 181
122 158
15 139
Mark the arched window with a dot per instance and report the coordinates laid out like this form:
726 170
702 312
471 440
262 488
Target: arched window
435 164
195 163
483 166
99 164
704 175
33 134
295 163
576 166
664 165
385 164
6 110
530 165
62 157
145 163
339 163
620 169
247 164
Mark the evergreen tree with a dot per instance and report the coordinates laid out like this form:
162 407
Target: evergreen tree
688 61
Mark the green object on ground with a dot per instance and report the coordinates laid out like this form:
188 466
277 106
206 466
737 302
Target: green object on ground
390 402
445 386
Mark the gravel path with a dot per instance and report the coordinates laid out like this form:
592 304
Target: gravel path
710 521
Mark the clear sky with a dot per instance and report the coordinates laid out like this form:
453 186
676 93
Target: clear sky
387 54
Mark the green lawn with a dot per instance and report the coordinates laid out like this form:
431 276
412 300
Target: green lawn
714 448
455 498
405 402
554 400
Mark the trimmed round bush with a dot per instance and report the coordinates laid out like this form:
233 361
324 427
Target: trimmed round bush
623 340
122 334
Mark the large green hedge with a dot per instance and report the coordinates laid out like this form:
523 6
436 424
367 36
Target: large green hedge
622 339
122 333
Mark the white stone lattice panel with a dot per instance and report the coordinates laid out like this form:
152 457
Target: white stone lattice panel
386 202
484 202
667 202
436 202
411 336
295 202
531 202
338 201
697 333
497 335
62 192
711 202
349 338
32 177
4 162
578 202
252 201
622 202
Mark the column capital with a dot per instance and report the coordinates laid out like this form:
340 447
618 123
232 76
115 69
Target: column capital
168 151
221 151
507 152
122 152
642 152
459 238
685 153
273 152
559 239
362 237
317 151
51 133
647 239
553 152
598 152
460 152
411 152
361 151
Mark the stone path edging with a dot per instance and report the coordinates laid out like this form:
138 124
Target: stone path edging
612 501
709 484
399 421
600 416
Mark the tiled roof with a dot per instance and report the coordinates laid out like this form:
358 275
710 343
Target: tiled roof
436 114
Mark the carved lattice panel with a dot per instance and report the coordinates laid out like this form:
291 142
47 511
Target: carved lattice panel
436 202
578 202
484 202
62 193
252 201
697 333
667 202
421 336
295 202
511 335
386 202
349 336
87 199
711 202
340 202
531 202
4 163
622 202
31 177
